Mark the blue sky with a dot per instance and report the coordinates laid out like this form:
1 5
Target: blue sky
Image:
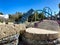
12 6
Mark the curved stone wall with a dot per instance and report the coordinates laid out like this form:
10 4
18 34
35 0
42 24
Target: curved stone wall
39 38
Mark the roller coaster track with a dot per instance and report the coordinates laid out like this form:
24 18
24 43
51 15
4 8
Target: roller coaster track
25 16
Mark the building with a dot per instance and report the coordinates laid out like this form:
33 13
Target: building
4 18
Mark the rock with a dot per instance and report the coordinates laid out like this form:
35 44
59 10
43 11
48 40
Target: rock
13 40
49 25
36 36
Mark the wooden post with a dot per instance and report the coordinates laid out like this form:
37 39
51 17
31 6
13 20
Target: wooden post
35 16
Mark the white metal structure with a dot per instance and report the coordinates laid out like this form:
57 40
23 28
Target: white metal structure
4 16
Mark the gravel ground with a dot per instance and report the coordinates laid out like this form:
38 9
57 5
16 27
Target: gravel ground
10 29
